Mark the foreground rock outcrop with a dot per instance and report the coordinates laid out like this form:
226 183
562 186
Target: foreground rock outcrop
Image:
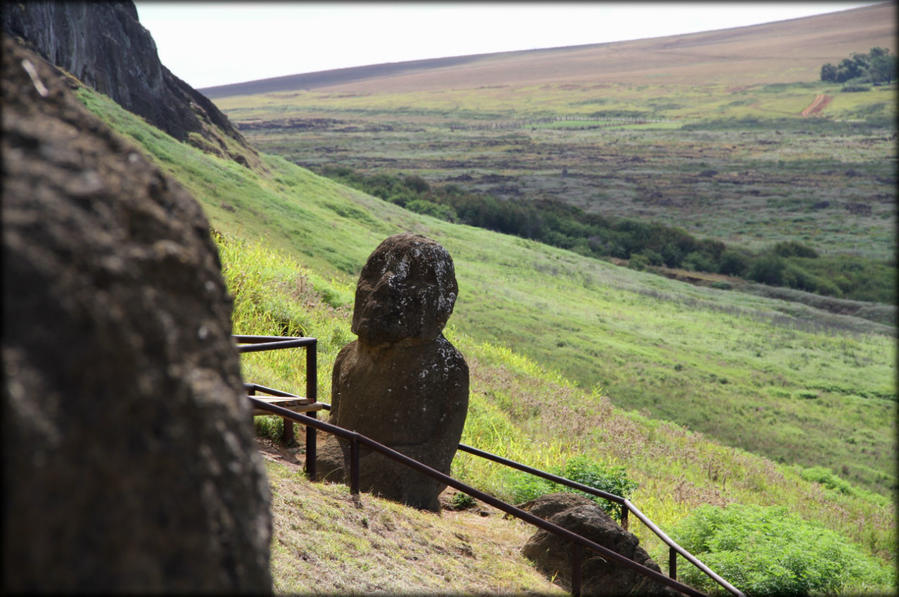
401 383
128 455
599 577
104 45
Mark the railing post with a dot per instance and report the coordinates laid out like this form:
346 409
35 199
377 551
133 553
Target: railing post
354 465
312 396
672 563
624 512
311 449
577 557
312 371
287 436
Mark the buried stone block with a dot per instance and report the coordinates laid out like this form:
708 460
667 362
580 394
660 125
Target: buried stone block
583 516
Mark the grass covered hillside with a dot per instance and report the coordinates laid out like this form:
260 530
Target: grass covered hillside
773 377
739 398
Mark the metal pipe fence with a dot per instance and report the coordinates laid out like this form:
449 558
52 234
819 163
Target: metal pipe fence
248 343
626 506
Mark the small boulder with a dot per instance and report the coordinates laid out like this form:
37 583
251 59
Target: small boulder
583 516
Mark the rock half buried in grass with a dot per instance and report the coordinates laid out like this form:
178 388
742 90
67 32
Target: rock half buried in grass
600 577
401 383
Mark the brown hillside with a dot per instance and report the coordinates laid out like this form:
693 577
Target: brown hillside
782 51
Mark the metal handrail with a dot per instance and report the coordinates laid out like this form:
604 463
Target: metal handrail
577 540
260 343
250 343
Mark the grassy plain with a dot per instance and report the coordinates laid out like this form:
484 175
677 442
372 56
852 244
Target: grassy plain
738 165
702 130
556 342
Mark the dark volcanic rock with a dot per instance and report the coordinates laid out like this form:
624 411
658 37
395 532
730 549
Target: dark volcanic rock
402 383
104 46
600 577
128 456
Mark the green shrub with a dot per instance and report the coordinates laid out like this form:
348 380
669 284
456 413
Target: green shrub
769 551
429 208
612 479
768 269
793 248
699 262
462 501
638 262
270 427
733 263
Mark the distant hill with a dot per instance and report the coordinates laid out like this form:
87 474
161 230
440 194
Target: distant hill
781 51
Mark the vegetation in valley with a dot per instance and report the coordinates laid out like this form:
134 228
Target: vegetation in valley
787 263
738 164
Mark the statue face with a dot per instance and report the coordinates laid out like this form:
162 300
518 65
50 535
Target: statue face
406 290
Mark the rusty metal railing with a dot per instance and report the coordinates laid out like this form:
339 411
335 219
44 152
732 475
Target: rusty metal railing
626 506
247 343
578 542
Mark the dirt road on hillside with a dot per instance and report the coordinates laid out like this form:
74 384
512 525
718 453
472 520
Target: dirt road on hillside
816 106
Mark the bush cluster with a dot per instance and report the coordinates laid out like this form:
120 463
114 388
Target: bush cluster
611 479
644 244
769 551
877 67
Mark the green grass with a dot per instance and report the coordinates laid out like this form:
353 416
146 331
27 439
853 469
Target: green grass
571 356
508 415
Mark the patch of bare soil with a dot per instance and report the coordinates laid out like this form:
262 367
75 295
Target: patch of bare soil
816 106
295 459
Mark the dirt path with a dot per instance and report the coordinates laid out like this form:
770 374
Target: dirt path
816 106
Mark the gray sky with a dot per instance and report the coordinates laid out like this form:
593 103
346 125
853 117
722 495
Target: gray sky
209 43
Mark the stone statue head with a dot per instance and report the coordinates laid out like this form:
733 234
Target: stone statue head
406 290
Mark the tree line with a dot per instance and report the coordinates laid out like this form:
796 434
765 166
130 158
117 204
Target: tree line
877 67
643 244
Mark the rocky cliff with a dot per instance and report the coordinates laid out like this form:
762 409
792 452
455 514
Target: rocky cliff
104 45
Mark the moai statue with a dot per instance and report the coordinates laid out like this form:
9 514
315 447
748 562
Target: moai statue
401 382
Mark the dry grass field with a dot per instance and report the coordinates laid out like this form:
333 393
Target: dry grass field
778 52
